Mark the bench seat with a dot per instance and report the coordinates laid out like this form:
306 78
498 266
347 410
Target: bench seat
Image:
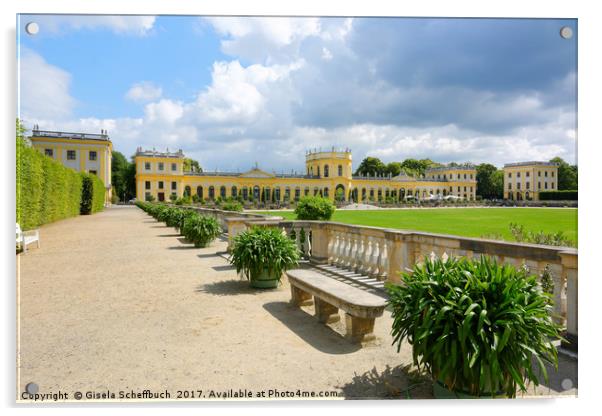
329 295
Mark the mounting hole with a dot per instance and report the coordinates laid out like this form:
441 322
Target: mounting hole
32 388
566 32
32 28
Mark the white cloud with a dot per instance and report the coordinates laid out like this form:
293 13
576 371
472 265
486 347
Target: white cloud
326 54
164 112
44 88
144 91
131 25
238 94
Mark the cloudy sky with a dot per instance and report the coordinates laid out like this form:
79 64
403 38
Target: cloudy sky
232 91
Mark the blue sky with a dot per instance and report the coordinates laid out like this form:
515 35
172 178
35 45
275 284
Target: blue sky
232 91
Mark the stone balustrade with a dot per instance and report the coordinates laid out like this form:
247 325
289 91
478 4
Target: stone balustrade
383 253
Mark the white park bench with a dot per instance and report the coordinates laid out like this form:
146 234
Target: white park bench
27 237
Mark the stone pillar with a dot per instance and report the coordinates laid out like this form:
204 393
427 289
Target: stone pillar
400 255
319 243
236 225
325 312
359 330
300 297
570 270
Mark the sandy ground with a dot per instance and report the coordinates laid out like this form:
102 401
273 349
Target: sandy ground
118 302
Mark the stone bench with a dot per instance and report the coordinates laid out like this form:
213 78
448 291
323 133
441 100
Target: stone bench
361 307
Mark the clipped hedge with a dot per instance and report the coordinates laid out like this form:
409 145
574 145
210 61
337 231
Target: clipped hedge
558 196
92 195
47 191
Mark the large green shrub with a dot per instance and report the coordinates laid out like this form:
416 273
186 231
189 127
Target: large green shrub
263 249
558 195
314 208
93 194
47 191
476 326
201 230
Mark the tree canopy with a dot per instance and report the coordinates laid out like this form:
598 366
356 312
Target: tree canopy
490 181
567 175
191 165
123 176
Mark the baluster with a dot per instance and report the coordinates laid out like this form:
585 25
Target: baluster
383 268
367 256
349 251
343 249
374 258
330 249
298 239
337 248
353 252
307 243
360 254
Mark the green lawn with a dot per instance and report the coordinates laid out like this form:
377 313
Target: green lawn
469 222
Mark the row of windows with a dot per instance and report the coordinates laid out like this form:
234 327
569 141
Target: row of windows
528 185
310 171
160 185
527 174
71 154
160 166
451 176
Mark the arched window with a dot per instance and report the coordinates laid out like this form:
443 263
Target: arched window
222 191
256 192
306 191
363 194
187 191
199 192
326 171
267 194
316 190
234 192
326 192
297 193
277 194
211 192
287 194
340 170
318 171
380 194
245 193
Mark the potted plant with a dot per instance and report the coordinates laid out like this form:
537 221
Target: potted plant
201 229
185 214
262 255
474 325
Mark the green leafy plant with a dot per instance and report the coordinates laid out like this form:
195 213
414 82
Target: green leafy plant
520 234
186 213
263 250
474 325
314 208
200 229
174 217
231 206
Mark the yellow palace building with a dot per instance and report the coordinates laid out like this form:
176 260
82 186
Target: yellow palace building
84 152
327 173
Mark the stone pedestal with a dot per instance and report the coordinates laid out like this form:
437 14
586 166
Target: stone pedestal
299 297
359 330
325 312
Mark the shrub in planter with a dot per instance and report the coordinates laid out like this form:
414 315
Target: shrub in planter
164 214
314 208
263 254
186 213
174 217
231 206
474 325
200 229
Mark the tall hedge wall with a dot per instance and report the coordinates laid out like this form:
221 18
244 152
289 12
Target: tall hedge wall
558 196
93 194
47 191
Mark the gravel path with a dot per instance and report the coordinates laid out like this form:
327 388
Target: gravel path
118 302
